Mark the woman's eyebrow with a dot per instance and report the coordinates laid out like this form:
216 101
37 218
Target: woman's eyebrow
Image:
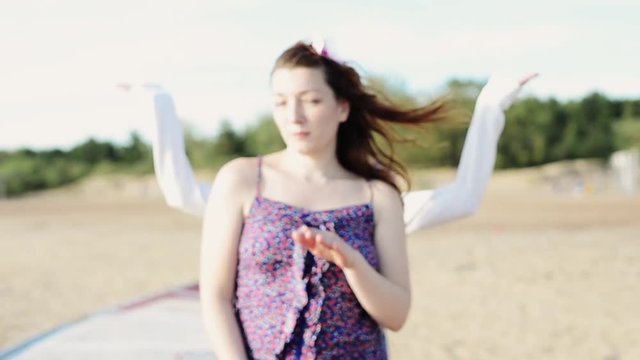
302 92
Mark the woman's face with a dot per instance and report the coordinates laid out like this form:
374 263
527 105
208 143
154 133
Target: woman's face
306 110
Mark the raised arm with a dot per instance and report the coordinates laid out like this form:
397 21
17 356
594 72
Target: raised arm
427 208
173 170
423 208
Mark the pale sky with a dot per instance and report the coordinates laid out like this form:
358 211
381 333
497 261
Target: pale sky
60 59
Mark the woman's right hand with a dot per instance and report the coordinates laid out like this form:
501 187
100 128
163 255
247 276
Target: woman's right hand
148 86
502 91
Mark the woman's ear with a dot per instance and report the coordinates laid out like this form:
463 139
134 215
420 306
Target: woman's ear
343 108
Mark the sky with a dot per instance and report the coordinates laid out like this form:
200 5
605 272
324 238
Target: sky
60 59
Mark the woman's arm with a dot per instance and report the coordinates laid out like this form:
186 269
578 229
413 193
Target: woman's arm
173 170
385 295
428 208
221 230
423 209
461 198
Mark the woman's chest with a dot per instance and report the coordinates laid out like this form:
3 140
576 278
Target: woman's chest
266 240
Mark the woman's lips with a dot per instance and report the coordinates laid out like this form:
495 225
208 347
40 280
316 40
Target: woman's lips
300 134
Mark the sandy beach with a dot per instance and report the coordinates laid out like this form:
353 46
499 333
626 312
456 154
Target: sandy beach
533 275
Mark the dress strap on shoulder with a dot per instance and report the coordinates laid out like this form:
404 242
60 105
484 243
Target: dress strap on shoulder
259 177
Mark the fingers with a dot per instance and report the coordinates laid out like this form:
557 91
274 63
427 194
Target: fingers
321 244
300 235
334 249
124 86
527 78
306 237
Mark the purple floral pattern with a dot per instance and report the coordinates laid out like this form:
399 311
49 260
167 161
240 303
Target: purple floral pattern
287 313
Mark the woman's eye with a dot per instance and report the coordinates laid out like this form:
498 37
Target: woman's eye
314 101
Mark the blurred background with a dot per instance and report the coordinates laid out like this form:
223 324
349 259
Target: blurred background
548 268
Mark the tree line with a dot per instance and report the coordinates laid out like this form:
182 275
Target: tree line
537 131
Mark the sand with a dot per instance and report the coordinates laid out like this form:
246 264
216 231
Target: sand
533 275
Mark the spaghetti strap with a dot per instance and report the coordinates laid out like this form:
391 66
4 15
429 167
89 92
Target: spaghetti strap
259 179
370 191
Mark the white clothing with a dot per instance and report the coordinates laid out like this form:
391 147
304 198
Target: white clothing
423 208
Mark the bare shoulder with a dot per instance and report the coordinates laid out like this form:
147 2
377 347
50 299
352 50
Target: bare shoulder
385 192
239 168
387 201
237 177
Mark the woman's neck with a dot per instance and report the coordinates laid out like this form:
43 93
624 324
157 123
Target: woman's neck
319 167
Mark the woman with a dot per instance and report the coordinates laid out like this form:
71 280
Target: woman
422 209
303 250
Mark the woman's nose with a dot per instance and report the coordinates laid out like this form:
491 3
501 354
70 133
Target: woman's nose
296 112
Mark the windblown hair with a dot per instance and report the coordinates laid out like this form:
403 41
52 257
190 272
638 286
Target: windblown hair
357 149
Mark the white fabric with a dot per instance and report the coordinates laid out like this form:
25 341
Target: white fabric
427 208
423 209
173 171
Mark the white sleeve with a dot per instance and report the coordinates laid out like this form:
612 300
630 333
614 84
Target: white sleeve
427 208
173 170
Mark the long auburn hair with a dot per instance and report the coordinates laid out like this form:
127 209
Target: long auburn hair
357 149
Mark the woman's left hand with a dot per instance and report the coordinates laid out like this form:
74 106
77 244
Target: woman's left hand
325 244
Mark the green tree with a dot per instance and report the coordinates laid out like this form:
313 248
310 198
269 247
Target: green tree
135 151
595 130
524 141
263 137
93 152
626 133
556 131
226 146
